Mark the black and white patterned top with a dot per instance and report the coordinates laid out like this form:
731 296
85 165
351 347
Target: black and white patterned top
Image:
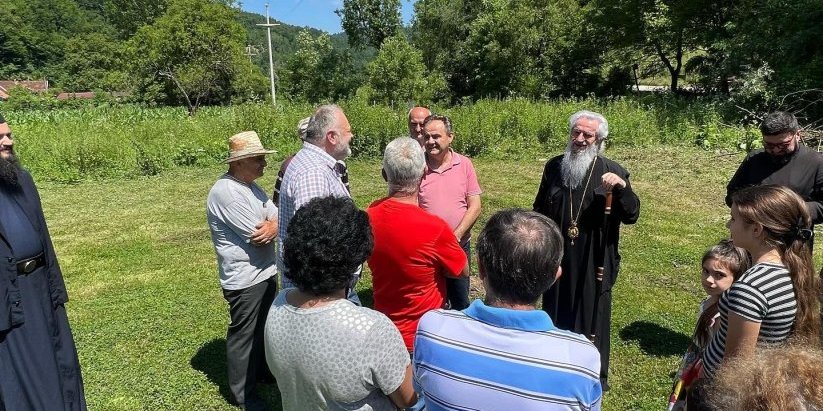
763 294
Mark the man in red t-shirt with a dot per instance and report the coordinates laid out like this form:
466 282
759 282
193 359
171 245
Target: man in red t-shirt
414 251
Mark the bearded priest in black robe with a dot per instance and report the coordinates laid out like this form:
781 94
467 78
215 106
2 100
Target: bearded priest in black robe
573 194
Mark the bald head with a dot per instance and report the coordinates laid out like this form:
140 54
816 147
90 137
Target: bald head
417 115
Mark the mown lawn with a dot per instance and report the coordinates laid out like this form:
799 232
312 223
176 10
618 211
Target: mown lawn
149 318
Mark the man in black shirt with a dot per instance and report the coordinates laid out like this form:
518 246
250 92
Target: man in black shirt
783 160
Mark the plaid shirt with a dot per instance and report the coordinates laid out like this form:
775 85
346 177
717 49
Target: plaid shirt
311 173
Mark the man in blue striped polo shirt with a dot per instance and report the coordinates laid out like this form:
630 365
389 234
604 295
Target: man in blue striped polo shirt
503 353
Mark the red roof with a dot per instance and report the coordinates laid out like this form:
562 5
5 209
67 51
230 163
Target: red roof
36 86
85 95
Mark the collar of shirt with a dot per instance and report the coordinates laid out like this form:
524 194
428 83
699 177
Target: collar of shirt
524 320
321 155
455 160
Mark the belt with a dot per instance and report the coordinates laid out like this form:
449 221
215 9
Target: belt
27 266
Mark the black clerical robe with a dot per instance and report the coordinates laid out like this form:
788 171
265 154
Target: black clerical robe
39 368
571 301
802 172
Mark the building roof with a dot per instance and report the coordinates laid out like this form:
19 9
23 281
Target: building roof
36 86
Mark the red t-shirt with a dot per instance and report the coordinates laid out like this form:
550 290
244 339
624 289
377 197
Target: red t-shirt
413 250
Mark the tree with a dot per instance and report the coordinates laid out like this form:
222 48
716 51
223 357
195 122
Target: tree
93 61
370 22
663 28
398 75
318 72
192 54
501 48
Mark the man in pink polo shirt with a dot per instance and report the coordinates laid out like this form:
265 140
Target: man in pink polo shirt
450 191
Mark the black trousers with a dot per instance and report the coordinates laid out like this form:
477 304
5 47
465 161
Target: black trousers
39 369
245 356
457 289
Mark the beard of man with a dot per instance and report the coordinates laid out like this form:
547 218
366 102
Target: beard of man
9 168
575 165
342 151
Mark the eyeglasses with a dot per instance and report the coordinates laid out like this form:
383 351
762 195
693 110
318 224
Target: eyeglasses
586 135
783 145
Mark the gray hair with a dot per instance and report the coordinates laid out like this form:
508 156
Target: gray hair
403 163
603 124
323 119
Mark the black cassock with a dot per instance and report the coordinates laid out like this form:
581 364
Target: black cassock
571 301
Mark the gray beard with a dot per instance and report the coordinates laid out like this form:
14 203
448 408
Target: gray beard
575 166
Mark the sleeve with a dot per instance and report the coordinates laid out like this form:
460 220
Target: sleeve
627 201
747 302
452 257
238 215
539 204
57 287
312 185
389 372
738 180
472 185
815 206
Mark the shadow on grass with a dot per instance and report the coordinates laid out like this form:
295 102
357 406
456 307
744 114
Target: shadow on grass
210 359
655 340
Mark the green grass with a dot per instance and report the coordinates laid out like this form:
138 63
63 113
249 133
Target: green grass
149 318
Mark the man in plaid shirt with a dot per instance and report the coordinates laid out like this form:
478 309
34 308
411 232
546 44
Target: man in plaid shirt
317 170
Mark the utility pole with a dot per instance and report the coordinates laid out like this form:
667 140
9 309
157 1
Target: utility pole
251 51
268 25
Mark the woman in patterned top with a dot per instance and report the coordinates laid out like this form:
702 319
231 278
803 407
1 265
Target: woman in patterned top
777 297
325 352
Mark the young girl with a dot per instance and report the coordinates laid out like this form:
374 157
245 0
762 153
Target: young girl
777 297
722 265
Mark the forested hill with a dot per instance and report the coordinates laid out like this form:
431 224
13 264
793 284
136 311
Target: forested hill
80 44
284 41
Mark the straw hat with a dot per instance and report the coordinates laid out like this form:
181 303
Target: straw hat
244 145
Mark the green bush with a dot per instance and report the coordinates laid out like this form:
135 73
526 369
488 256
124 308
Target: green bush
129 141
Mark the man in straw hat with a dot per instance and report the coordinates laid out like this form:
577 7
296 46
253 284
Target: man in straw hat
243 224
39 369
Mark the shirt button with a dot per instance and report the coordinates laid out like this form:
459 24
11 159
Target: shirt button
10 259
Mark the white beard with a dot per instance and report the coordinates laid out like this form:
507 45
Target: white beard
575 166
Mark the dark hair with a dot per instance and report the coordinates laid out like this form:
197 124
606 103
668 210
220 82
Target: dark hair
437 117
737 261
788 228
327 239
779 122
519 252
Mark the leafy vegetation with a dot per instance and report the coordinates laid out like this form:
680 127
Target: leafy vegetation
751 52
128 141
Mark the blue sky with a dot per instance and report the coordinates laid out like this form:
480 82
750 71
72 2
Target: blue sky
313 13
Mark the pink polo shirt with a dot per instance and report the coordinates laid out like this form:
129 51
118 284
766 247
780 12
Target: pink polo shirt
443 192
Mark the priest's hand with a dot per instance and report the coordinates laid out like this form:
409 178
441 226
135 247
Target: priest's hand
611 181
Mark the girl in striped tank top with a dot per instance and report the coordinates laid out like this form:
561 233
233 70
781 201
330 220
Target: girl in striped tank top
777 298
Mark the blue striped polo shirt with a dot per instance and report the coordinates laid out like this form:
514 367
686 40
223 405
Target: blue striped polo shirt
489 358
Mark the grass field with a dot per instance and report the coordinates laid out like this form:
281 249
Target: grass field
149 318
